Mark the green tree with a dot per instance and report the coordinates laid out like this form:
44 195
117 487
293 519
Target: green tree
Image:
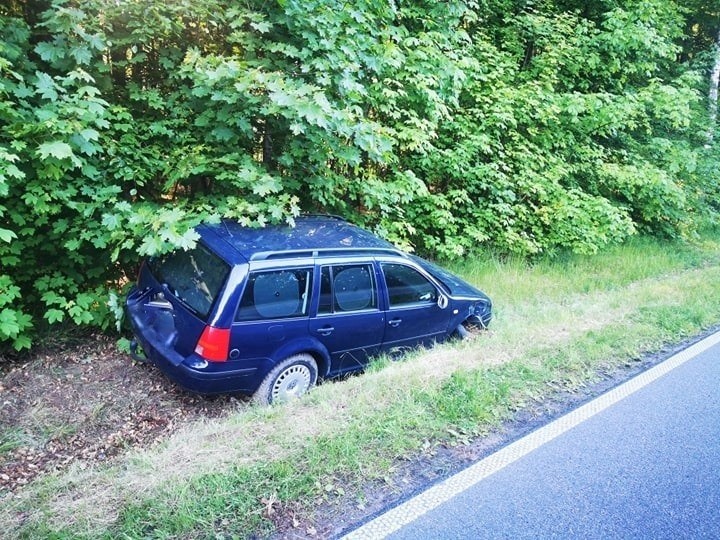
445 126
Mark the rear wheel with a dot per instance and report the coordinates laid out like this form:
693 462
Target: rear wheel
288 380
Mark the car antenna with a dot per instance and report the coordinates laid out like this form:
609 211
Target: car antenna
227 229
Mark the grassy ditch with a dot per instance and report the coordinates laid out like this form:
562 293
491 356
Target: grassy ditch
558 324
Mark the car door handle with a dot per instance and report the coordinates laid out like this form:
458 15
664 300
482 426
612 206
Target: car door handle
326 330
395 322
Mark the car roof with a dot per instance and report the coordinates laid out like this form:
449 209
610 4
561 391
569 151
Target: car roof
311 236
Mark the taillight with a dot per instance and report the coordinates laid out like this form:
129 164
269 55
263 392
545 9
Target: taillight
214 344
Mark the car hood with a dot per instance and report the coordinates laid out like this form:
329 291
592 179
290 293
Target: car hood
456 285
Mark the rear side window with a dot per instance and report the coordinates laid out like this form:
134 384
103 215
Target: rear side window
195 276
347 288
275 295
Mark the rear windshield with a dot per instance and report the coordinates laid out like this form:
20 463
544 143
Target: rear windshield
194 277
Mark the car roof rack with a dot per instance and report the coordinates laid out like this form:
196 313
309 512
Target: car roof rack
321 215
329 252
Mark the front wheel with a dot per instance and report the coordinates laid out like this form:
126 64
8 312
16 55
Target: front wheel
288 380
468 330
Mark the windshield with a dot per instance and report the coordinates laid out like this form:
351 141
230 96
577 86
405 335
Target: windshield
194 277
455 285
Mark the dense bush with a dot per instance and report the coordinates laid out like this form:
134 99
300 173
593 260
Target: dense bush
445 126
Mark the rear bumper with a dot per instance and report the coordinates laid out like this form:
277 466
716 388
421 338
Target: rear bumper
192 372
215 378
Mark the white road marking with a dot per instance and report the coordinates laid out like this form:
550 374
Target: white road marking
394 519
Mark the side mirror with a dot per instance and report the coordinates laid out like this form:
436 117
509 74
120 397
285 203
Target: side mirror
442 301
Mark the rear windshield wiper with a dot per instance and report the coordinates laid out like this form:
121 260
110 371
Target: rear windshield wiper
180 299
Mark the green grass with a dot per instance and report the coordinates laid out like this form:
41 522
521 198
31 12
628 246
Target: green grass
559 323
10 439
515 280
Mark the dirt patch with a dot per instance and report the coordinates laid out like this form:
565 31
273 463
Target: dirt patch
86 404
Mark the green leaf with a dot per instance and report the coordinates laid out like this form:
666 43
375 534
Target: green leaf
90 134
51 297
8 323
262 27
49 52
266 184
54 315
46 86
223 133
73 244
151 245
81 54
12 171
21 342
7 235
111 221
188 240
96 42
282 98
56 149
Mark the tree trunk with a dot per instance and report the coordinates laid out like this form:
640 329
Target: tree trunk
713 96
267 157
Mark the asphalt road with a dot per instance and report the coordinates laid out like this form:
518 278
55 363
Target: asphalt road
642 461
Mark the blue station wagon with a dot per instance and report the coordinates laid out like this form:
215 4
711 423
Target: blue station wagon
266 312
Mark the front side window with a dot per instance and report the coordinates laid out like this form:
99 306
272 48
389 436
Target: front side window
346 288
194 276
407 286
276 294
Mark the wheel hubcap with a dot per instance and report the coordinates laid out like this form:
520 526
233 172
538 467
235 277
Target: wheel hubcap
291 383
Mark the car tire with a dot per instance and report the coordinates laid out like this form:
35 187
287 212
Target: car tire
288 380
467 330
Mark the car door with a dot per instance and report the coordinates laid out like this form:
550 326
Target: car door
349 322
413 315
272 312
